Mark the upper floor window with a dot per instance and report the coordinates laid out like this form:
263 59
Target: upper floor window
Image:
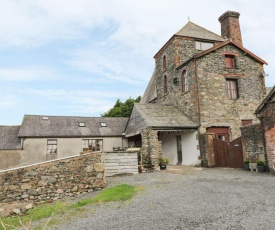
165 84
52 146
184 81
164 63
93 145
230 61
232 88
203 45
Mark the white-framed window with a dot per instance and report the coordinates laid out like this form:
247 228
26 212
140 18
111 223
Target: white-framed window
203 45
184 81
94 145
52 146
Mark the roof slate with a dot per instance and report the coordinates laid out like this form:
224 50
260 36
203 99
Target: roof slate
157 115
68 126
193 30
8 138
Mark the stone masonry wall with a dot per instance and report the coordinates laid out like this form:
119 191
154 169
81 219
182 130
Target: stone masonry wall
216 108
207 150
53 180
253 145
151 148
9 158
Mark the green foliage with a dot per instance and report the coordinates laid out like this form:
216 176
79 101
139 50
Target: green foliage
122 109
163 160
121 192
260 163
37 213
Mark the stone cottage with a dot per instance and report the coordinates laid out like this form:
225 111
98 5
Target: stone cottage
214 82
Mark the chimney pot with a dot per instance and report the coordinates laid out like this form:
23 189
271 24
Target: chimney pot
230 26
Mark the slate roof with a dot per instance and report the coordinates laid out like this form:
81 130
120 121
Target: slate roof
157 116
150 93
68 126
265 101
193 30
8 138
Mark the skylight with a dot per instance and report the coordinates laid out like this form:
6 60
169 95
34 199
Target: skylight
81 124
45 118
103 124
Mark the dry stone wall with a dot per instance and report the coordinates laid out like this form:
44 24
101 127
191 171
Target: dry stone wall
53 180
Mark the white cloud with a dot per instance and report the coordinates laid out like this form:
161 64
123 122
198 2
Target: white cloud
28 73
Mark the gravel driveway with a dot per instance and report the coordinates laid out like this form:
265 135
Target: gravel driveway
187 198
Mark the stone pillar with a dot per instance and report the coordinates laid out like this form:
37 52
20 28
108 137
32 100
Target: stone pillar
207 150
151 148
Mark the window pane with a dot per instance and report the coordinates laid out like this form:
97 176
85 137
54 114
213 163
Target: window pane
198 45
206 45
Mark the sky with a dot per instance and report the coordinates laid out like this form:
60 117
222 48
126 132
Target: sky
77 57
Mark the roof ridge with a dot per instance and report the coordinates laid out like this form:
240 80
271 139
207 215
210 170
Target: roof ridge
70 116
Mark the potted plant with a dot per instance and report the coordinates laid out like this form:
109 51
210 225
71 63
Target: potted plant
246 165
163 161
260 166
253 163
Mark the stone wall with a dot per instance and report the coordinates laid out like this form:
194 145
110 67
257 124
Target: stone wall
46 182
207 150
151 149
253 144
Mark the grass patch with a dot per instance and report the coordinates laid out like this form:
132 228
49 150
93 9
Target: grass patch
121 192
37 213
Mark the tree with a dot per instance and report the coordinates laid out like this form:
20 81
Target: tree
122 109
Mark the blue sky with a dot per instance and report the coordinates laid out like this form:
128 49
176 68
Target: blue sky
77 57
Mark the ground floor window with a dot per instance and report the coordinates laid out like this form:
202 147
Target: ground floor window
52 146
93 145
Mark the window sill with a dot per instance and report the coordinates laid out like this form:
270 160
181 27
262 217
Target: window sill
183 93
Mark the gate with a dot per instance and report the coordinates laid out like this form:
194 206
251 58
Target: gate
228 154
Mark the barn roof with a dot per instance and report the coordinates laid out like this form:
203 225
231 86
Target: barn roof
8 138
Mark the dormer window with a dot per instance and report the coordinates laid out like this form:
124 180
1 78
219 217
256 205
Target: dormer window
81 124
164 64
103 124
203 45
229 61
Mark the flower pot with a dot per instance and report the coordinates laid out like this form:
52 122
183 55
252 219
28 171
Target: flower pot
252 166
162 167
246 167
261 168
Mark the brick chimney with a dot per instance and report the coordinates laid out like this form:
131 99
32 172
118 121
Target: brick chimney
230 26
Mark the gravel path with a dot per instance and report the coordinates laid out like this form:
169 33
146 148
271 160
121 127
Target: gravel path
187 198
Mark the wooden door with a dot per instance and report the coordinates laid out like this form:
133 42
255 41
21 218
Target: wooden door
179 150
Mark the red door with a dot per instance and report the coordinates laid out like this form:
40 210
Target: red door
221 133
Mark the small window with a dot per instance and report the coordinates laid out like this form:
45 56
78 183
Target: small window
52 146
81 124
232 88
246 122
164 64
184 81
45 118
229 61
103 124
203 45
165 84
93 145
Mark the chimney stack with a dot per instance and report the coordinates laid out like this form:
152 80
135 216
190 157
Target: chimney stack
230 26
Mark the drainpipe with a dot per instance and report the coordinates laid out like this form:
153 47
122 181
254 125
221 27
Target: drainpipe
197 83
264 142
